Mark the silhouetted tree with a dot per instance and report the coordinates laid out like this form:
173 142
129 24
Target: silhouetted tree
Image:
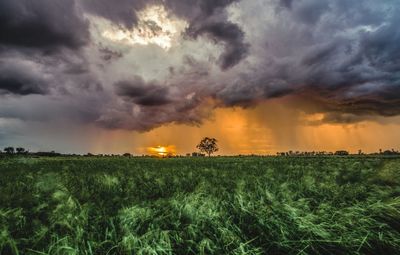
21 150
208 145
9 150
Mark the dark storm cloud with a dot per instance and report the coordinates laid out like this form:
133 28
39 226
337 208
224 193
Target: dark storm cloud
19 86
46 88
370 81
19 78
344 54
33 36
208 18
228 33
42 24
382 48
146 118
148 104
142 93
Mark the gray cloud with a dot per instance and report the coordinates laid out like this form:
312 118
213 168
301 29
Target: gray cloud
42 24
21 78
140 93
286 3
19 86
208 18
228 33
308 11
148 104
345 55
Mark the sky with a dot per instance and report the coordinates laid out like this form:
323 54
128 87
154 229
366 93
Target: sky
261 76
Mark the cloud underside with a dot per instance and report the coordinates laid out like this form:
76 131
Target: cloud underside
340 57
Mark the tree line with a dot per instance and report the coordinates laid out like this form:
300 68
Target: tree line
207 146
336 153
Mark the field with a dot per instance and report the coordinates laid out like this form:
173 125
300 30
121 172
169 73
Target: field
249 205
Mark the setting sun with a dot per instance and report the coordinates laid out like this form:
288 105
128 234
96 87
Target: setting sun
162 151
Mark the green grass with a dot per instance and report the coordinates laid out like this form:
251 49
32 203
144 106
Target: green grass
273 205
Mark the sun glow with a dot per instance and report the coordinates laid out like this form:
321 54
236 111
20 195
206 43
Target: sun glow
155 26
162 151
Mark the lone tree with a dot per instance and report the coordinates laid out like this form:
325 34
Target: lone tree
21 150
208 145
9 150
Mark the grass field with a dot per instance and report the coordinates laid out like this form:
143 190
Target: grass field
275 205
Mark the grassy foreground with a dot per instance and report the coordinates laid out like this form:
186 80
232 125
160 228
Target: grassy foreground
271 205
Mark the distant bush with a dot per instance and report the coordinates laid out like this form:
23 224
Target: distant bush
342 153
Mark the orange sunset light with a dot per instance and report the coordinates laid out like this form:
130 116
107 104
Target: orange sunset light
162 151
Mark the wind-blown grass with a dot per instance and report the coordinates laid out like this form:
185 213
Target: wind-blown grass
271 205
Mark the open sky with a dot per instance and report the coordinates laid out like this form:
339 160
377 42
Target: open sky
261 76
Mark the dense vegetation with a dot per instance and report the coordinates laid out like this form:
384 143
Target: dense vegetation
276 205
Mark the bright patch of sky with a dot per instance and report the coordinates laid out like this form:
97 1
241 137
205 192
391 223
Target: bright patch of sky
155 26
